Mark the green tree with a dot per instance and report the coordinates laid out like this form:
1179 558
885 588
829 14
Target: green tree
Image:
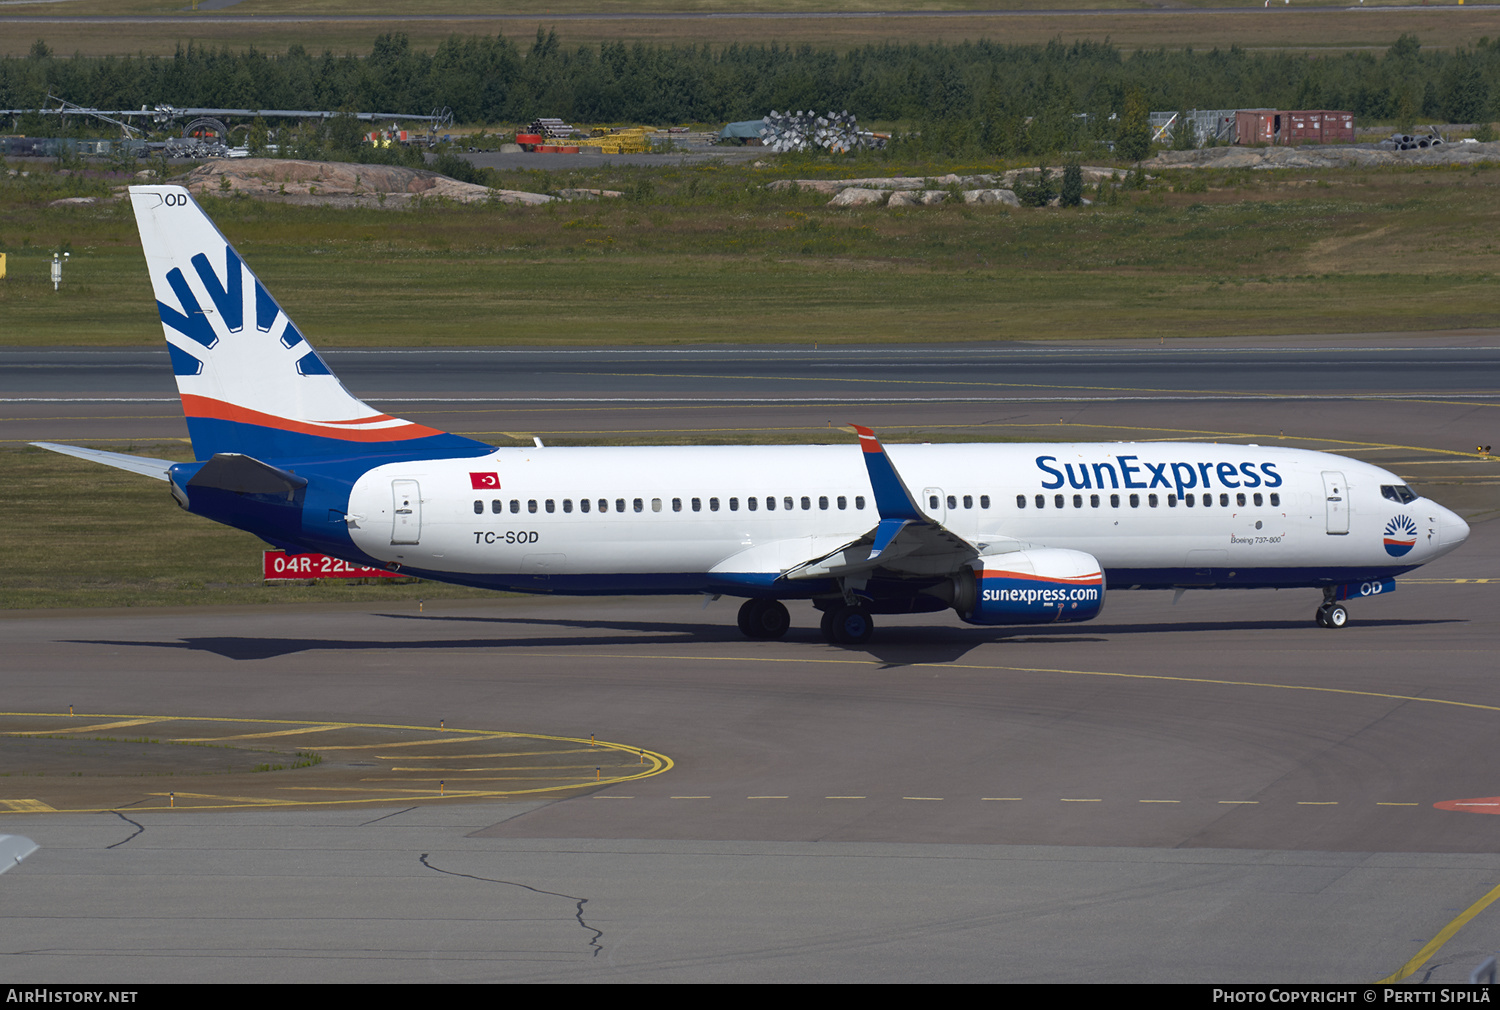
1072 184
1037 192
345 133
1134 140
259 138
1183 138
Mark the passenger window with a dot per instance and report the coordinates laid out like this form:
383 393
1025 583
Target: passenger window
823 502
619 504
984 501
551 505
1020 501
786 503
1114 501
713 504
638 505
1259 500
1135 501
583 504
1187 500
567 505
734 504
1208 500
531 505
676 504
697 504
770 503
1151 500
1041 501
1078 501
1240 498
932 501
1224 499
859 501
1093 501
806 503
603 504
515 505
479 508
968 501
1057 500
751 504
497 506
1171 501
952 502
1275 498
655 504
843 503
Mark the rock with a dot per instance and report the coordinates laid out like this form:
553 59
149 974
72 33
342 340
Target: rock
855 196
917 198
810 185
588 194
341 182
1333 156
1005 196
74 201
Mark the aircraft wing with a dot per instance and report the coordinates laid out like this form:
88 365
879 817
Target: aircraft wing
905 541
135 464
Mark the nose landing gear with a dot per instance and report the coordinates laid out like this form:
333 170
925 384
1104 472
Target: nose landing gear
1331 614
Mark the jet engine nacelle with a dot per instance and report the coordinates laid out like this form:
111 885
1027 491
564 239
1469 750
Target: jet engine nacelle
1039 586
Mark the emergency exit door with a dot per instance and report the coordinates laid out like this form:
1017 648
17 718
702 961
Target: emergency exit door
406 512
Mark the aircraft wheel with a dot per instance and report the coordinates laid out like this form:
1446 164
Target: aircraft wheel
851 626
764 619
825 624
1321 617
1333 615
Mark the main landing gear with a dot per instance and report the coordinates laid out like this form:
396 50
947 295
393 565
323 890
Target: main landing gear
1331 614
845 624
764 618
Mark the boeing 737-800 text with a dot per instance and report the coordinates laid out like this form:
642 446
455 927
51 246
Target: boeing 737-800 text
1002 534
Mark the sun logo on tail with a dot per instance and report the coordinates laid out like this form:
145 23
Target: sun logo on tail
1400 536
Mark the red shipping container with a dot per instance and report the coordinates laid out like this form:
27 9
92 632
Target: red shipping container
1313 126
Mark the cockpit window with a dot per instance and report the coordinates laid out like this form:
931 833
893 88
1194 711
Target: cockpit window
1398 492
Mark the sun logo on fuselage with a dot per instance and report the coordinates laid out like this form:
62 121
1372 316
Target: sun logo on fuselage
1400 536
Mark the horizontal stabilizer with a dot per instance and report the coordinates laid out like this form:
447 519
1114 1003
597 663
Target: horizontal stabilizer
232 471
135 464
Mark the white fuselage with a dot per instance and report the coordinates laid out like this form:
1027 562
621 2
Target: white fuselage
1274 516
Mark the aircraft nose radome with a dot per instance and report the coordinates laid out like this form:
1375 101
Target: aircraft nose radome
1452 530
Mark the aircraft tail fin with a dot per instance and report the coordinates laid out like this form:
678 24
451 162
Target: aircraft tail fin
249 381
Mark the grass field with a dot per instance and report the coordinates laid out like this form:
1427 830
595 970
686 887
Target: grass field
710 255
1282 27
479 9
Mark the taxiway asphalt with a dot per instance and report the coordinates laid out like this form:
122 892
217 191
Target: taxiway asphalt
1211 791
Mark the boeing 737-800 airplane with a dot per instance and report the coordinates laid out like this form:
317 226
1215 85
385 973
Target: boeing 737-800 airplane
1002 534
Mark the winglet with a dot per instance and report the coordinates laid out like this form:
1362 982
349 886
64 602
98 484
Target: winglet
892 499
